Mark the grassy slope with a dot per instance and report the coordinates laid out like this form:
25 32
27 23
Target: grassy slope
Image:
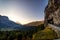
47 33
36 23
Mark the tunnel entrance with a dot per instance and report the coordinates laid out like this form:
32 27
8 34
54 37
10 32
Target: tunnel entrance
50 21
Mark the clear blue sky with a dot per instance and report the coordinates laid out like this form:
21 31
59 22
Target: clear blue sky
23 11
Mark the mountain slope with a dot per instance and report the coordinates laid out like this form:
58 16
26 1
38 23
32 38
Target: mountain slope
6 23
36 23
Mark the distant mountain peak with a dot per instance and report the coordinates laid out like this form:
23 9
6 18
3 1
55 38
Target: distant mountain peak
6 23
3 18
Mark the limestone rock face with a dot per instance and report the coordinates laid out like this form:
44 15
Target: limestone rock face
52 12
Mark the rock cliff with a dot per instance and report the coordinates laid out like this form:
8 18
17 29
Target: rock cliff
52 12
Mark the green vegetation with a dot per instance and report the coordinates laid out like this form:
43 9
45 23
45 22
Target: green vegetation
45 34
37 34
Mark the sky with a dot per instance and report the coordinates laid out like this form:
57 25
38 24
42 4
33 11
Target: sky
23 11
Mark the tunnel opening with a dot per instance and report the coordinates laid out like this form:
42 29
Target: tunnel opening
50 21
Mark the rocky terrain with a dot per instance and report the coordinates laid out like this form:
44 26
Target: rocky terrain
52 12
52 15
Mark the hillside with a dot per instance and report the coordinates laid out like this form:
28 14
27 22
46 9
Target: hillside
36 23
6 24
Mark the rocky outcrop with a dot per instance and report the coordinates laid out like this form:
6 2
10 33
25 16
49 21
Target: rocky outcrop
52 12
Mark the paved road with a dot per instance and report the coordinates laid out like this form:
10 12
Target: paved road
55 27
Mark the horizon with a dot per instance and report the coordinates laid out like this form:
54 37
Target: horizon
23 24
23 11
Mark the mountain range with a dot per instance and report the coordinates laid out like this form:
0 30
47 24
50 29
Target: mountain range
6 24
35 23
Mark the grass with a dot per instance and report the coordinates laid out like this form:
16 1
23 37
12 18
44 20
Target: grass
47 33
